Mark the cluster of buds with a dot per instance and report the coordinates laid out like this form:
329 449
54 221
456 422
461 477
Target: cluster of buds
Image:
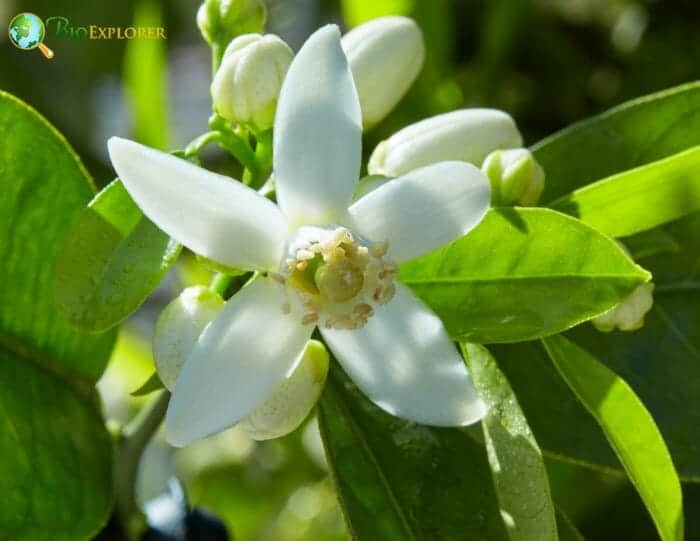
385 57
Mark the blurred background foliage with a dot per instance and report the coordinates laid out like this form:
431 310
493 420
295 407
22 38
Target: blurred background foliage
547 62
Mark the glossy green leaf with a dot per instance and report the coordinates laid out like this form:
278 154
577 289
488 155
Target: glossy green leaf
517 466
630 429
146 77
55 457
661 362
522 274
571 434
635 133
398 480
55 454
638 199
112 260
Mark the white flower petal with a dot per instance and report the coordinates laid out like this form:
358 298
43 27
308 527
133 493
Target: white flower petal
211 214
290 403
239 359
425 209
405 363
318 130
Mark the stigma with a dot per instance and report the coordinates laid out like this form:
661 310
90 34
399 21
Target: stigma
335 278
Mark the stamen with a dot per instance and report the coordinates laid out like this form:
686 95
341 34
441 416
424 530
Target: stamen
311 317
335 277
379 249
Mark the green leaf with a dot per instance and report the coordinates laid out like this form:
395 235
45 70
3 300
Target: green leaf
562 426
145 78
152 384
55 472
661 362
638 199
522 274
635 133
630 429
517 466
398 480
112 260
55 454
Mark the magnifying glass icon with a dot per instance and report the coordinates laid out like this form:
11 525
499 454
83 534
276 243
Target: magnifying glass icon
27 32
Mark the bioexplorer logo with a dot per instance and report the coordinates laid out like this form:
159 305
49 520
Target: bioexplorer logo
27 31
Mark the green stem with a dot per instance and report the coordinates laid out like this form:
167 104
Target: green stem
220 284
131 442
263 157
217 52
196 146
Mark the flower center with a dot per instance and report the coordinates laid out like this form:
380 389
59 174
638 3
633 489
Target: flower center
334 277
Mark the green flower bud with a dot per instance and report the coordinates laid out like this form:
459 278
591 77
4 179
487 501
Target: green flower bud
178 328
629 314
385 57
465 135
516 177
221 20
289 404
248 82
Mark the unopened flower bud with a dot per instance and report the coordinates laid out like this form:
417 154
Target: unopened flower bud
385 57
178 328
220 20
629 314
247 84
289 404
516 177
466 135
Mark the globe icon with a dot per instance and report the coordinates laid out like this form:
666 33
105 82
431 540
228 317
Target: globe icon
27 31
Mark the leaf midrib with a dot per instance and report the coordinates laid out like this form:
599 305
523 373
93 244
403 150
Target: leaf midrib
373 460
77 381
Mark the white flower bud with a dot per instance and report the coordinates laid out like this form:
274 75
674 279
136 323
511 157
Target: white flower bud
516 177
220 20
247 84
385 57
178 328
289 404
629 314
466 135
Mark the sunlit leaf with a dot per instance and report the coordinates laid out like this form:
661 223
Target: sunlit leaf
398 480
522 274
630 429
635 133
661 362
55 454
639 199
112 260
517 466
